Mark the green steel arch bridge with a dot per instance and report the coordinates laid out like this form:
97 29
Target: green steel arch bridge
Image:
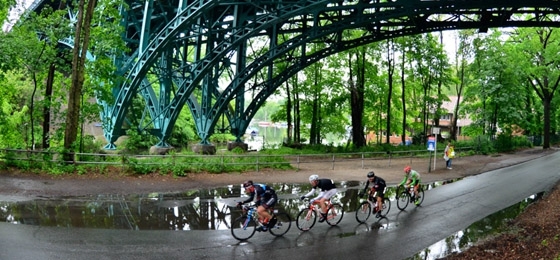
210 54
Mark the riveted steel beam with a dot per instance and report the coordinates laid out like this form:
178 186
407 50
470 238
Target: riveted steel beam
211 54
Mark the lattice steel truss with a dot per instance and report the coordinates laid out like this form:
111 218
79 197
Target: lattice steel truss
211 54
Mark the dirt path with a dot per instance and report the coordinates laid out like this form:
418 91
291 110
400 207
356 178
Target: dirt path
533 235
17 185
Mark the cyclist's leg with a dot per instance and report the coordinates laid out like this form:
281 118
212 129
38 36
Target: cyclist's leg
380 197
416 186
320 200
322 208
322 204
269 205
326 196
263 211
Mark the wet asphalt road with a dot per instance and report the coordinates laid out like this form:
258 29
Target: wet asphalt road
445 210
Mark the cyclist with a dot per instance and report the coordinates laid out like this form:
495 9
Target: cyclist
328 189
266 198
411 178
378 184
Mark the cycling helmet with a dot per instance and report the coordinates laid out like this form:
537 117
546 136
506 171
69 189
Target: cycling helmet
247 184
407 169
313 177
371 174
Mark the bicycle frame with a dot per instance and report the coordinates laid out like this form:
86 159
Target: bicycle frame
244 227
252 214
411 197
372 198
317 208
307 216
411 192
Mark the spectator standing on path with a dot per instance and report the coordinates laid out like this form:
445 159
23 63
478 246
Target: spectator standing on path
449 153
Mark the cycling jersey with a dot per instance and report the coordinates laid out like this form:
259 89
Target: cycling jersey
325 184
266 196
378 184
327 188
414 176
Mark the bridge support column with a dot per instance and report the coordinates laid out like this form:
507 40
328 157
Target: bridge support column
204 149
233 145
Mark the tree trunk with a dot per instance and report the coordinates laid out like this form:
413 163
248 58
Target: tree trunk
288 114
546 130
356 103
403 97
390 72
81 42
297 116
315 121
47 107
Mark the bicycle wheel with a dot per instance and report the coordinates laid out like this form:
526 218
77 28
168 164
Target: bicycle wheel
402 200
283 224
420 197
306 219
363 212
386 207
335 214
243 228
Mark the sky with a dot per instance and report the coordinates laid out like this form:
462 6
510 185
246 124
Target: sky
16 11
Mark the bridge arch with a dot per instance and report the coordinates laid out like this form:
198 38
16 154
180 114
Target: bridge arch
380 19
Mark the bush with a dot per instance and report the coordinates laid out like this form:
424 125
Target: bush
508 143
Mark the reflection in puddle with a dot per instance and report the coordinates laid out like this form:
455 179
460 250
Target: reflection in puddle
190 210
490 225
201 209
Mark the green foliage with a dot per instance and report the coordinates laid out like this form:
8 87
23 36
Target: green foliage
14 126
138 166
88 144
221 138
508 143
5 6
482 144
237 150
181 164
135 141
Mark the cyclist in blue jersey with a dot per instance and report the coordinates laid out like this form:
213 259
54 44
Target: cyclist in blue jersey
327 188
266 198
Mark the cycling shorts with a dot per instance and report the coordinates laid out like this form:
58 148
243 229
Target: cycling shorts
268 202
380 191
327 194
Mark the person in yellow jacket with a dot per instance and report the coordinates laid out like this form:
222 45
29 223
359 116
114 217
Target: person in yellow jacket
449 153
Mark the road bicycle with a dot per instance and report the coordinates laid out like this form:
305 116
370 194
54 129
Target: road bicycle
244 227
370 206
308 216
407 196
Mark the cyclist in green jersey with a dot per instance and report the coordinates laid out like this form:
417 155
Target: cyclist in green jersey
411 178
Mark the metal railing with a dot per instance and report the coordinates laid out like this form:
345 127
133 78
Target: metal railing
222 161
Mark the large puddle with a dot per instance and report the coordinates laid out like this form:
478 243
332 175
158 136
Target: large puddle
213 210
190 210
490 225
